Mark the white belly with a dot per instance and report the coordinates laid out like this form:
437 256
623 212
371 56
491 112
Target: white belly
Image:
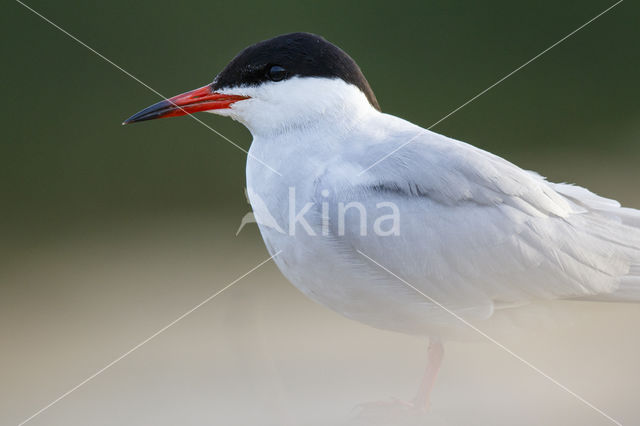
325 268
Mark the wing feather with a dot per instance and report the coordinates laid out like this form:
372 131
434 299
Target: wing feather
476 230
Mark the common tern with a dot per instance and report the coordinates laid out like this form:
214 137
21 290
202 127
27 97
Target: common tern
397 226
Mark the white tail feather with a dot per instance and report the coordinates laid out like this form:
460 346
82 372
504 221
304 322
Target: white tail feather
623 231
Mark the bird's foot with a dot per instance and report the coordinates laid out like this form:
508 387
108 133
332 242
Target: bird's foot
392 412
391 404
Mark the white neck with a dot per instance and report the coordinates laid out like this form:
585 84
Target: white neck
299 105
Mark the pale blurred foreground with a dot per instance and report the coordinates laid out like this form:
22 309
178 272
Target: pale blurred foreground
261 353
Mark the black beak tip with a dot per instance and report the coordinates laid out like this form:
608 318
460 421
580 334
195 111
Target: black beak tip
130 120
140 116
154 111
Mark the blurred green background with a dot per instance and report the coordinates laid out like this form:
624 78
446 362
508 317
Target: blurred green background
66 163
107 233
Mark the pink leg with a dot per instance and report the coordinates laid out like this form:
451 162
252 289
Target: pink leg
420 403
434 360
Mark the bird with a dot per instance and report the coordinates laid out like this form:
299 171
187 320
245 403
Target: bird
394 225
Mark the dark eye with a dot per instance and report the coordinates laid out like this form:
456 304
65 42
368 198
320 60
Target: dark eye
276 73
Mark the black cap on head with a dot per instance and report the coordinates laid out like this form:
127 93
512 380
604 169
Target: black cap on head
289 55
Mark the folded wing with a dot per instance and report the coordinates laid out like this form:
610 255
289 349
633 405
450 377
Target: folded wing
478 231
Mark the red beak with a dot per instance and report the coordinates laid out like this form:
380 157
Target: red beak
202 99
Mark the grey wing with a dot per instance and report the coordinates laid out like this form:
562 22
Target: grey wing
477 231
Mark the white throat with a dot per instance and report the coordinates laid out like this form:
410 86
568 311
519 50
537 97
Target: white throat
298 104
